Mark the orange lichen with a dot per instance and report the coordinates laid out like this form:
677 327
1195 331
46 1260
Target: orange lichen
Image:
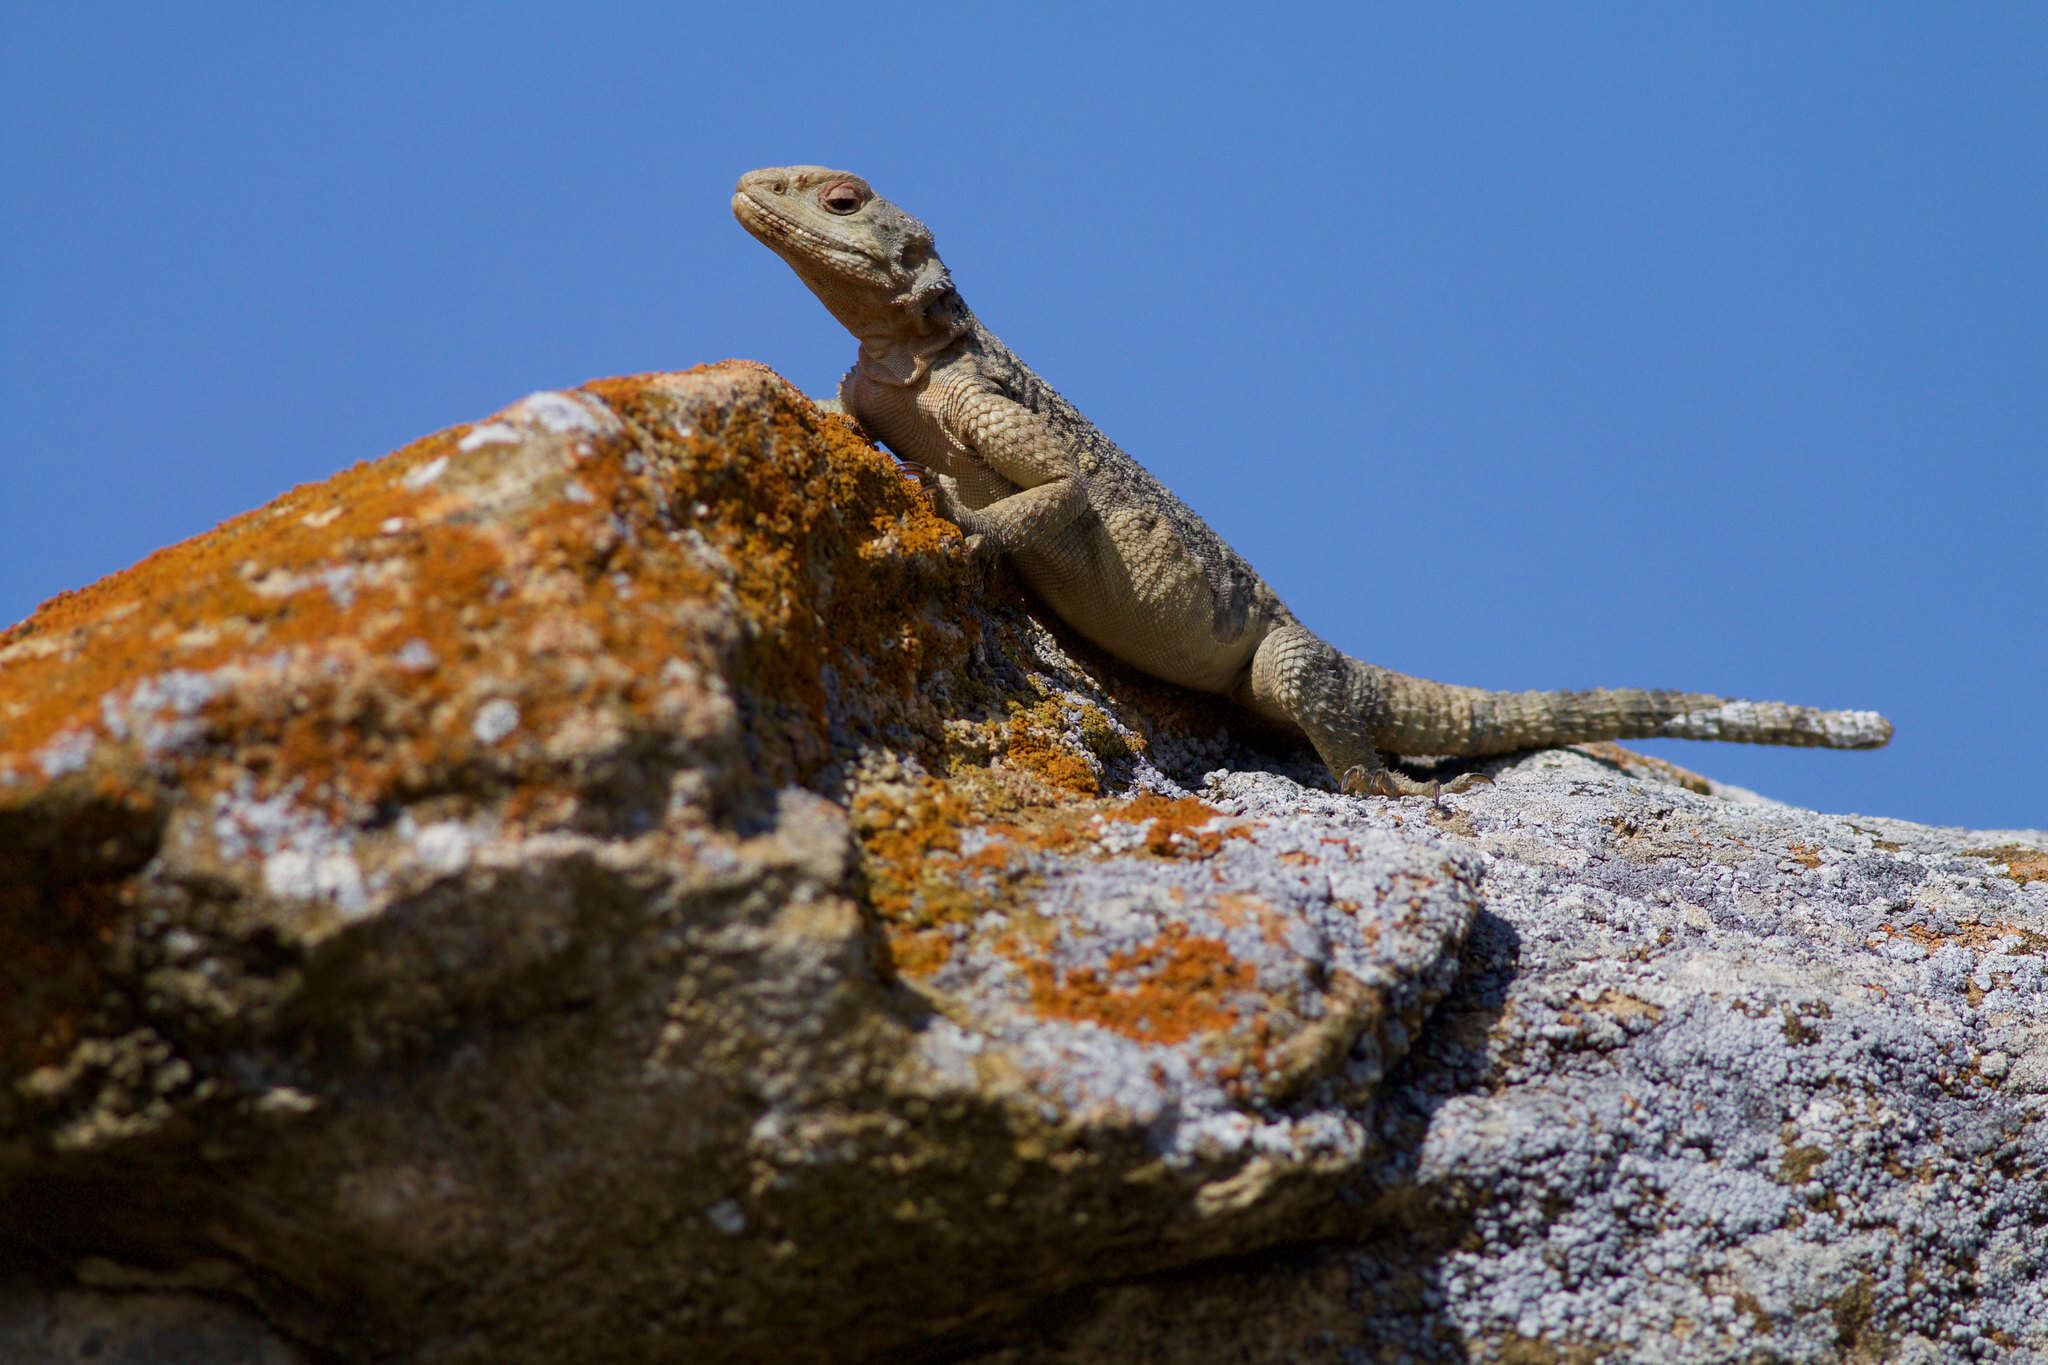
819 527
199 604
2021 864
913 877
1164 991
917 879
1176 825
1975 937
906 830
1035 746
1801 854
1056 830
830 545
918 953
354 570
341 643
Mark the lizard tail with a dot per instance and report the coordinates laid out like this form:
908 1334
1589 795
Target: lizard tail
1417 716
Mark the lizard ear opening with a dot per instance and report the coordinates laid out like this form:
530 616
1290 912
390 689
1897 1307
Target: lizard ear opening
929 281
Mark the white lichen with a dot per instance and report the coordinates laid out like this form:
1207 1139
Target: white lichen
495 719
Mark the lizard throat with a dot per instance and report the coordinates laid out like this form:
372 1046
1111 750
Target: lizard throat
900 364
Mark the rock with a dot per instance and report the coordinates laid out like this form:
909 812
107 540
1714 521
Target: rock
134 1326
612 882
1720 1080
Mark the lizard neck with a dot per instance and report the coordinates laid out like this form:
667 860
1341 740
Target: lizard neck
902 356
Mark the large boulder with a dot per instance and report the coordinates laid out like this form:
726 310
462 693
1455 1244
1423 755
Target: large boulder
615 882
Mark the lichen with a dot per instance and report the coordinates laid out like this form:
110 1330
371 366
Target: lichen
2023 865
1163 991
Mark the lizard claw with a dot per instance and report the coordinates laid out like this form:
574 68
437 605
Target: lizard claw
1360 780
942 490
944 493
945 501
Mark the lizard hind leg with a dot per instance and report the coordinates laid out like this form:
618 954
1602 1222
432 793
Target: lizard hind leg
1299 679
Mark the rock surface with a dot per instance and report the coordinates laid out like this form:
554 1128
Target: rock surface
611 882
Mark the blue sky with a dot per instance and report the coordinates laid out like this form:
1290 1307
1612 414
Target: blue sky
1699 347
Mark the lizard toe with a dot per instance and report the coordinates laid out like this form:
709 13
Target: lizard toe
1360 780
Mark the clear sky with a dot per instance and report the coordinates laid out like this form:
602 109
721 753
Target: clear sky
1517 345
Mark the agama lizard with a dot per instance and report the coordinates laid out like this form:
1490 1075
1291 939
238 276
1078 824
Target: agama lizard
1126 563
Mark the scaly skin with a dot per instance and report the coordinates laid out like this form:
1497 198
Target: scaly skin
1122 560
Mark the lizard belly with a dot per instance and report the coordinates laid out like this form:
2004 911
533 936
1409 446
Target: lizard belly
1146 600
1165 597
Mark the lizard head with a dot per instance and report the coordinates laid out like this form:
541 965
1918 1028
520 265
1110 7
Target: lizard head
868 261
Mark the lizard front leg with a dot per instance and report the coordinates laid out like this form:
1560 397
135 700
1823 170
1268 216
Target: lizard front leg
1014 442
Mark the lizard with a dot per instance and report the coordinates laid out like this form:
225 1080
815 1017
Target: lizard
1124 562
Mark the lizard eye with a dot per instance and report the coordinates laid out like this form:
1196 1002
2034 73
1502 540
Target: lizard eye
843 197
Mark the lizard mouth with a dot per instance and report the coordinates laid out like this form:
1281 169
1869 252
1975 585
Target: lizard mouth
775 228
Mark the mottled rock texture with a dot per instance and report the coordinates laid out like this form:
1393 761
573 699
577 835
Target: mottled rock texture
614 883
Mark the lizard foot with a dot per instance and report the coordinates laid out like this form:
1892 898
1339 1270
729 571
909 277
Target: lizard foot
944 494
942 489
1362 781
